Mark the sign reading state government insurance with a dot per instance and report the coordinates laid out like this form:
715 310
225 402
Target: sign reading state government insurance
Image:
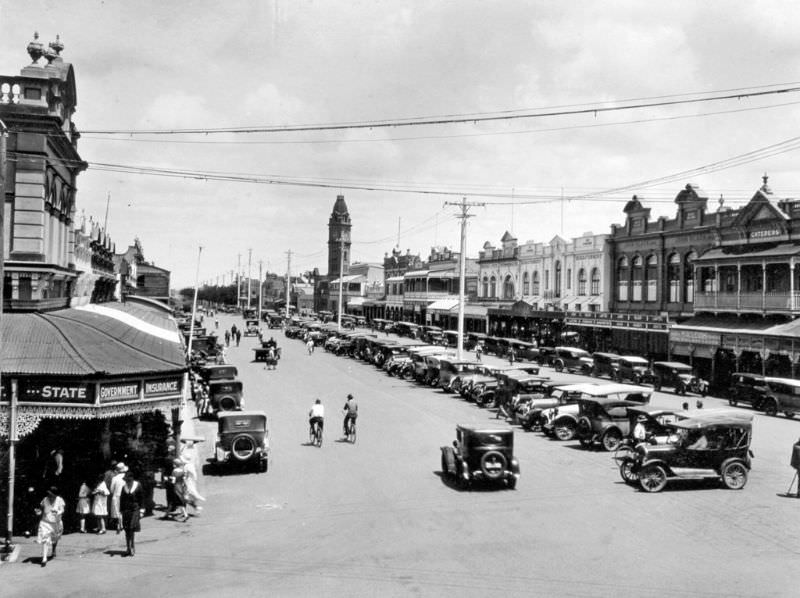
119 391
162 387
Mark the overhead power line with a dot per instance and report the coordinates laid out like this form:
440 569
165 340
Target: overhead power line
596 108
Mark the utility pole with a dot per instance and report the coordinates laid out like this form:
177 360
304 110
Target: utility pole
341 276
249 275
239 281
464 206
194 303
260 290
288 278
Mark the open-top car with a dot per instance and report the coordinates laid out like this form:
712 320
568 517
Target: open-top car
706 446
251 328
602 420
481 454
679 376
646 423
242 440
449 369
635 369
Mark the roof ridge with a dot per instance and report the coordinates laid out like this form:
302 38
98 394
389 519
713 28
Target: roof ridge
115 339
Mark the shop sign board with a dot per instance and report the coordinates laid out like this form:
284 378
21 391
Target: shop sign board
116 392
162 387
46 391
694 337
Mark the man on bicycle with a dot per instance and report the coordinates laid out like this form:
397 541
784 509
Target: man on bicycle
350 412
316 415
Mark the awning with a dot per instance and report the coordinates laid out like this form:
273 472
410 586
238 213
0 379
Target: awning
443 305
350 278
394 279
414 273
729 323
355 301
735 253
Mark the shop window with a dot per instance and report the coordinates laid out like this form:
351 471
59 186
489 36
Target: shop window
674 277
581 282
595 289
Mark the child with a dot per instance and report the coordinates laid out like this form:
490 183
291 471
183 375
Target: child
100 503
82 508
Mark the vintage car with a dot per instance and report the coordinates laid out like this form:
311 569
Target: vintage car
263 353
451 368
708 446
605 364
251 328
483 393
473 339
782 395
514 382
602 420
491 345
242 440
634 368
646 423
218 372
224 395
466 381
679 376
750 389
541 410
546 356
480 454
572 359
562 421
425 369
524 351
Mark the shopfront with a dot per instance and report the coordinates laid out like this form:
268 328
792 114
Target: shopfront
629 334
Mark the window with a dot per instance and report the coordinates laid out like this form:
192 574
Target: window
581 282
508 288
547 280
651 276
557 282
688 268
492 287
623 276
526 289
595 290
535 289
637 276
569 278
708 279
485 287
674 277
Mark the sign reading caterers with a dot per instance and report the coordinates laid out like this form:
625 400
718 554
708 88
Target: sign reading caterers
42 391
119 391
162 387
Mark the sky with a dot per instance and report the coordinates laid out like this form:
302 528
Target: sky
154 65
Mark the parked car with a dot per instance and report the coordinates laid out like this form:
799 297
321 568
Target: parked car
783 395
450 368
750 389
525 351
541 411
224 395
481 454
546 356
242 440
572 359
472 339
679 376
218 372
655 425
602 420
635 369
251 328
706 446
605 364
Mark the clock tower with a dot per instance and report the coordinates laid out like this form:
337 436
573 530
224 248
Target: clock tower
339 239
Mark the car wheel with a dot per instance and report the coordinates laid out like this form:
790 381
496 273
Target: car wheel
511 482
264 465
626 471
637 379
559 366
611 440
227 404
564 431
734 475
653 478
789 414
586 441
243 447
771 407
732 402
493 464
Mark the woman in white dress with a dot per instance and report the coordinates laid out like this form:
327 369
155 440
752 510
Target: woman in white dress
50 524
100 503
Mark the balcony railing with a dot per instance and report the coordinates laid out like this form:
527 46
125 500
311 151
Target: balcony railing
427 295
782 301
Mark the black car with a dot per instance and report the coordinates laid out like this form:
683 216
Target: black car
243 440
481 454
750 389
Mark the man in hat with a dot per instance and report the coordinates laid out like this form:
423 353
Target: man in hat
115 490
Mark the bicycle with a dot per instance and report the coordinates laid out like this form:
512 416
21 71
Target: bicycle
350 431
315 434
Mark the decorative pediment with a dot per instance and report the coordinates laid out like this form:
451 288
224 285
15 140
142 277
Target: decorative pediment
508 237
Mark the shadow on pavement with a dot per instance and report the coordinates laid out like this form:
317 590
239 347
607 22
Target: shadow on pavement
116 552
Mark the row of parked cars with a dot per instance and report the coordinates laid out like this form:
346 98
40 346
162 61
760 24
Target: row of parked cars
652 445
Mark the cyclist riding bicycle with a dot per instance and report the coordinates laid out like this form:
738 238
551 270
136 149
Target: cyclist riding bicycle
350 412
316 415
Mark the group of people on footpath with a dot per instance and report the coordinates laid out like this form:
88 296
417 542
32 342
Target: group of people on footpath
114 499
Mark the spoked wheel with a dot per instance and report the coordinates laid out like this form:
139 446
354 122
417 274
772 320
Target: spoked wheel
734 475
611 440
351 432
626 471
319 436
564 431
653 478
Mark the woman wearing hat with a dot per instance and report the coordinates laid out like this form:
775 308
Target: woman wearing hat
50 524
131 509
117 482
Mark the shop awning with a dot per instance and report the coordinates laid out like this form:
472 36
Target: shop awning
735 253
356 301
350 278
394 279
443 305
729 323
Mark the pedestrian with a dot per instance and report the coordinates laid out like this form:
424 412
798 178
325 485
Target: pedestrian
216 323
53 474
699 404
100 503
685 406
795 463
310 345
179 491
82 508
51 526
238 337
131 507
117 482
227 338
233 331
478 351
512 355
193 496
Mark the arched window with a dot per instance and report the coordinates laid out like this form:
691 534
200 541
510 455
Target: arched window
637 276
623 276
557 281
581 282
595 288
535 290
485 287
508 287
674 277
688 277
493 287
526 287
651 276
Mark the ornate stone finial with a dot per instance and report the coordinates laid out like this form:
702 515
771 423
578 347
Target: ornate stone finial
50 55
765 188
57 46
35 48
